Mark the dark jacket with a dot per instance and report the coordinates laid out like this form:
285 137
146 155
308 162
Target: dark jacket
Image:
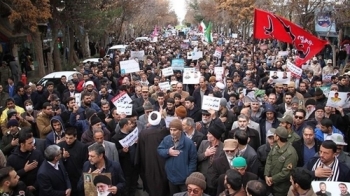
262 153
197 138
112 167
253 134
344 171
218 167
5 144
18 100
53 136
74 163
197 95
138 104
18 159
299 147
52 182
195 113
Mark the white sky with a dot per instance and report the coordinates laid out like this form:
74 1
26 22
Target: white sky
179 6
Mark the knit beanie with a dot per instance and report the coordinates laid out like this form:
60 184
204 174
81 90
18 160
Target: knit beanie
295 100
176 123
198 179
12 123
11 112
181 112
94 120
147 106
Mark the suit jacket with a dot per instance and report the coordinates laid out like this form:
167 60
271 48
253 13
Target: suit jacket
219 167
252 160
251 124
40 144
111 151
299 147
138 105
197 138
203 161
52 182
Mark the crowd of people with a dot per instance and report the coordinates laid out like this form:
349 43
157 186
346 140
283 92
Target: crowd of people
265 138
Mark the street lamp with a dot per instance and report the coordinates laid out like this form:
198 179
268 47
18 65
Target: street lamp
61 6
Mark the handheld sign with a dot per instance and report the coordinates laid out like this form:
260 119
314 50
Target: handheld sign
211 103
295 71
121 98
164 86
129 66
137 54
78 99
167 71
130 139
124 109
218 52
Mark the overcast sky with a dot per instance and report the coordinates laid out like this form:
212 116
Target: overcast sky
179 7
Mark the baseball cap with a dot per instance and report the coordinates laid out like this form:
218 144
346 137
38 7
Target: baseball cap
270 132
286 119
338 139
281 132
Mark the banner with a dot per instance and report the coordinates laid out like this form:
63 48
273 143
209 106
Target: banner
295 71
268 25
324 22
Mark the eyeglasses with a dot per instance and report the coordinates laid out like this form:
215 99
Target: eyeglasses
299 117
229 151
195 191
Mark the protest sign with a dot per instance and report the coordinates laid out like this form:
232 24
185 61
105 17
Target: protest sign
167 71
218 52
191 76
121 98
282 77
130 139
210 103
168 119
330 187
197 55
337 99
123 108
327 78
178 64
295 71
234 35
164 86
78 99
137 54
184 46
283 53
129 66
100 178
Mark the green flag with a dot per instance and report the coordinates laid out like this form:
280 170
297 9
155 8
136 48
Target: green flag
208 37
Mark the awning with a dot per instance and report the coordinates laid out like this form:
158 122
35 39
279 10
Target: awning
327 34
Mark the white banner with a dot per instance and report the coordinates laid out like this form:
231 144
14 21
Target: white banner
164 86
296 71
218 52
130 139
191 76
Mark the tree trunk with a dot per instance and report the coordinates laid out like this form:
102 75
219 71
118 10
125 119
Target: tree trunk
85 45
57 58
38 47
71 47
54 50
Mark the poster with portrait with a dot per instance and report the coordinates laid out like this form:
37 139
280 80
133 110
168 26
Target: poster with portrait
337 99
282 77
330 188
96 184
191 76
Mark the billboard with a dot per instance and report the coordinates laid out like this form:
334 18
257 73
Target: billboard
324 22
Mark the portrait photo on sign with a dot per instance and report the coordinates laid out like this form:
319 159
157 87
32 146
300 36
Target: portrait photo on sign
337 99
280 77
329 188
97 184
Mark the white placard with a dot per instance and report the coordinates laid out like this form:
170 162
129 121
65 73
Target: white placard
282 77
121 98
164 86
283 53
78 99
194 43
337 99
124 109
218 52
210 103
129 66
154 39
168 119
167 71
296 71
130 139
234 35
191 76
197 55
137 54
219 71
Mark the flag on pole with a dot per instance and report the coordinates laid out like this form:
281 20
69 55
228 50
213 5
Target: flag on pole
268 25
208 36
202 27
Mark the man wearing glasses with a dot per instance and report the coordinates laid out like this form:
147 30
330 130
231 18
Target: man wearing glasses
195 185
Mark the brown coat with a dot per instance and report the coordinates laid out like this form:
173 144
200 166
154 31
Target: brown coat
241 192
309 193
44 125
